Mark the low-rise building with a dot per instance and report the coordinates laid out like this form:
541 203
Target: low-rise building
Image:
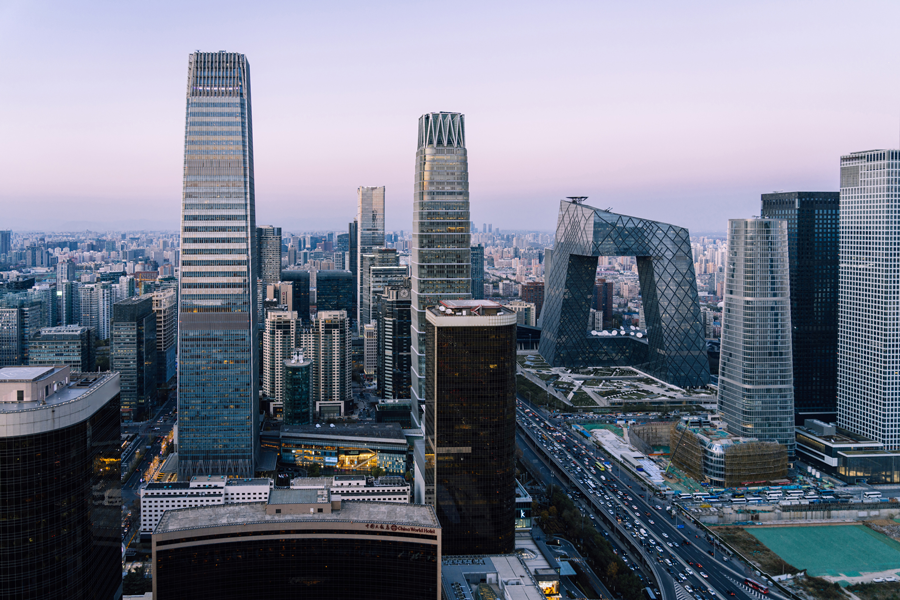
299 540
349 448
157 498
358 487
849 456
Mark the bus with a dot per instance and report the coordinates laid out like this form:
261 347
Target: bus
740 500
649 593
686 497
794 493
756 585
600 466
871 496
701 496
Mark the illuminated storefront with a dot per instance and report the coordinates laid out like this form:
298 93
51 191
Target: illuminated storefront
351 448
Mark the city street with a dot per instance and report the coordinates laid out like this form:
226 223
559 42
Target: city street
620 499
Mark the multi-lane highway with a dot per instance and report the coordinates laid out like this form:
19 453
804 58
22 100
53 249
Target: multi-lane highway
685 565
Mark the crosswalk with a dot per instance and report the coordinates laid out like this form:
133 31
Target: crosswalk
681 593
746 588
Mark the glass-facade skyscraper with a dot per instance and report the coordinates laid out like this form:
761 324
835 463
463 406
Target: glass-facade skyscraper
756 384
812 222
868 393
218 350
440 267
370 228
468 471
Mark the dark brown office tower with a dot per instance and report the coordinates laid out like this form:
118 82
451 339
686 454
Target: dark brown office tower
470 424
603 298
533 292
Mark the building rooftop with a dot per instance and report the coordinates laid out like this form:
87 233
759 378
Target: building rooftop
252 513
380 431
506 575
24 374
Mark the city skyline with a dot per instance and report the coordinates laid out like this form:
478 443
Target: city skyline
585 106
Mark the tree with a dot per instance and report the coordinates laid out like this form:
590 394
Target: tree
612 572
135 584
313 470
376 471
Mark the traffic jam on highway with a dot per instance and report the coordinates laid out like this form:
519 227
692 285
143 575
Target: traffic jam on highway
684 560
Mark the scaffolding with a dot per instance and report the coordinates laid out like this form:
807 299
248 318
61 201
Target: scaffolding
687 452
645 437
753 462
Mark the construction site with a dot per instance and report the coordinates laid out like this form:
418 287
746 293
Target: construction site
708 453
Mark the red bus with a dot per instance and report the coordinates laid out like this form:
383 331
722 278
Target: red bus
756 586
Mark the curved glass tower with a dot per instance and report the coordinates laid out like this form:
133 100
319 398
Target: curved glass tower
218 372
440 257
756 382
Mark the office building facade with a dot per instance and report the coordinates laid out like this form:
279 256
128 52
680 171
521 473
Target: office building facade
299 281
440 255
868 392
334 291
756 385
370 229
302 542
533 291
133 355
60 521
269 247
298 404
674 349
468 470
393 338
71 345
165 306
813 220
376 257
218 348
477 259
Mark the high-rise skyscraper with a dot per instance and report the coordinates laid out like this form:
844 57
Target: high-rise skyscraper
218 350
166 310
5 242
352 254
269 244
392 314
813 233
60 520
279 338
370 223
377 257
868 392
477 272
299 281
756 386
298 404
133 354
334 291
327 346
440 258
468 471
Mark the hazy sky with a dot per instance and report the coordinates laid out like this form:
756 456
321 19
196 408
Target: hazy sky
678 111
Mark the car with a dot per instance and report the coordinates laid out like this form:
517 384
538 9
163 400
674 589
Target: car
658 507
682 577
704 575
670 544
665 535
651 522
892 578
878 580
731 593
688 571
699 566
688 588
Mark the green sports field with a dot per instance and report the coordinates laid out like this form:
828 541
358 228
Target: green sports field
847 550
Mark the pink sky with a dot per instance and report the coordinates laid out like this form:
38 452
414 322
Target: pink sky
681 112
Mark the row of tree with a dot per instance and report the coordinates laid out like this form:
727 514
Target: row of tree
560 515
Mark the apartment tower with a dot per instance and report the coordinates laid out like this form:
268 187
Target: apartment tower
218 350
370 229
